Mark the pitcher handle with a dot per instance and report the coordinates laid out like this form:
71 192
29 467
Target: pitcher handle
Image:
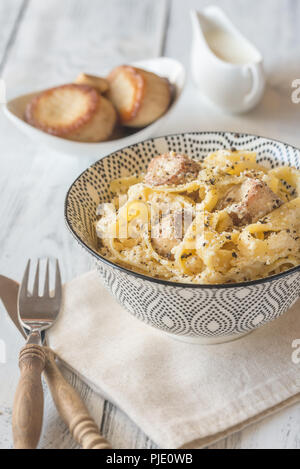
258 83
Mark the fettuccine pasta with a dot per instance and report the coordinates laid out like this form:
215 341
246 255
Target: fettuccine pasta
225 219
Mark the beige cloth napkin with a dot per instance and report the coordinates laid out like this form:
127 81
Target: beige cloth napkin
180 395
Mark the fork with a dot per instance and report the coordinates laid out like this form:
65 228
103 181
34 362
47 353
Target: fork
36 314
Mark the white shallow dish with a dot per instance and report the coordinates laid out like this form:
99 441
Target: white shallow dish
163 66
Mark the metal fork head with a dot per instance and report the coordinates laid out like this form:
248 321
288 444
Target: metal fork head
38 313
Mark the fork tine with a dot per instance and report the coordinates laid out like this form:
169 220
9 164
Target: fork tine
24 284
57 291
35 291
46 285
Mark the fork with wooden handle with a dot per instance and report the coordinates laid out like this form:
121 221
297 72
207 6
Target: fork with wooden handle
36 314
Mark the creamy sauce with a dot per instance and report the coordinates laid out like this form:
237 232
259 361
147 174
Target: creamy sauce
228 47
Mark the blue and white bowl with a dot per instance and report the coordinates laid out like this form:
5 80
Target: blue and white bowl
194 313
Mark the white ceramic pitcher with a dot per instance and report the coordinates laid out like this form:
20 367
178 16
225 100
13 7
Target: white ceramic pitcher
226 67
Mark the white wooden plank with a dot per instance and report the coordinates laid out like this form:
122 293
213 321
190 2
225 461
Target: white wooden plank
8 375
57 40
10 15
277 431
34 187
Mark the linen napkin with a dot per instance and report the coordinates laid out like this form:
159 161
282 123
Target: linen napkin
180 395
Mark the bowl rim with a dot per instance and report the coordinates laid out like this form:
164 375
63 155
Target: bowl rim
160 281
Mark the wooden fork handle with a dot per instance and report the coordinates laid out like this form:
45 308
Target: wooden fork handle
71 408
29 399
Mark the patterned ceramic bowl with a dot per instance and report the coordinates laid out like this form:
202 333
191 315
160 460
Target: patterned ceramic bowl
195 313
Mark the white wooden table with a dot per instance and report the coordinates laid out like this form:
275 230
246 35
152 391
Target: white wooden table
47 42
